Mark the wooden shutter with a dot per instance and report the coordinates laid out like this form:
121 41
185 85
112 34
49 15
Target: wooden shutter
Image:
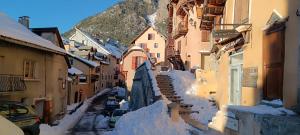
133 63
205 36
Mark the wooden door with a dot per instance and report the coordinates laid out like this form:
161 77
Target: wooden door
273 63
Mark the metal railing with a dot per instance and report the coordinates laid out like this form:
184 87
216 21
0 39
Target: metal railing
12 83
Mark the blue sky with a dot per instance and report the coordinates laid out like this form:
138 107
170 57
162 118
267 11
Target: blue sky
63 14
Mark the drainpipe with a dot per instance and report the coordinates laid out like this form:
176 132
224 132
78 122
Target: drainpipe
45 76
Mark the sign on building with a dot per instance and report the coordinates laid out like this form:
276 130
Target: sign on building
250 77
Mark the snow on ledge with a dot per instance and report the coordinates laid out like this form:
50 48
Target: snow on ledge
153 79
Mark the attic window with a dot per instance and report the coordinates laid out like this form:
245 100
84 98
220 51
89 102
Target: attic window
151 36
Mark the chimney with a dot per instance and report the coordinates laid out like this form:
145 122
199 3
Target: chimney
24 20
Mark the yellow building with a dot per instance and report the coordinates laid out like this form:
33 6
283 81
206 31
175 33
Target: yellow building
89 79
33 70
250 50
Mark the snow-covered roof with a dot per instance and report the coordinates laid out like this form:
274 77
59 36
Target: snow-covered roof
99 47
136 47
14 32
88 62
75 71
91 63
117 52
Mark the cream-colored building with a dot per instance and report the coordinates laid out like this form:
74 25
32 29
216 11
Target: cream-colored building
90 49
153 43
33 69
132 58
189 42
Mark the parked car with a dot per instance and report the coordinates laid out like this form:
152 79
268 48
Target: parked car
115 117
21 115
9 128
111 103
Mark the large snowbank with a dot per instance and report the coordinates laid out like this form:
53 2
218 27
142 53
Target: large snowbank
186 86
150 120
14 30
69 120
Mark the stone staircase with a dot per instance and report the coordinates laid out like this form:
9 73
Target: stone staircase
167 89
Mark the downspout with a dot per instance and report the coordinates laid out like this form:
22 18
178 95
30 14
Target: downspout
45 75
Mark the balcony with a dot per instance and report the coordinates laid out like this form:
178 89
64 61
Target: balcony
94 77
11 83
182 29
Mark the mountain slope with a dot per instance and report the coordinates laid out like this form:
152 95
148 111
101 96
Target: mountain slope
124 20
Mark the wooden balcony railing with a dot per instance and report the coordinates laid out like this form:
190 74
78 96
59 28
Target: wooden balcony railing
181 29
12 83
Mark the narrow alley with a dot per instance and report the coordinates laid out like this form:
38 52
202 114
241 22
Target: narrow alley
150 67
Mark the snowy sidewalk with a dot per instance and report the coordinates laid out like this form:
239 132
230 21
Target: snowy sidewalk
70 119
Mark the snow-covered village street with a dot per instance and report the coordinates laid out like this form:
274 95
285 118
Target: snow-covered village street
150 67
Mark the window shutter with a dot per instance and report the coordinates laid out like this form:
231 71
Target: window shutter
205 36
133 64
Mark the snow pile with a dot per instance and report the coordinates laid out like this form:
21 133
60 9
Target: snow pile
151 19
186 86
263 109
121 91
275 102
14 30
69 120
153 79
101 122
150 120
72 106
124 105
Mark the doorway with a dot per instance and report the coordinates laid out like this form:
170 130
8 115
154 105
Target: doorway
273 61
236 71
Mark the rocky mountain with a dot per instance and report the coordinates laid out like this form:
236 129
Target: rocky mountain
125 20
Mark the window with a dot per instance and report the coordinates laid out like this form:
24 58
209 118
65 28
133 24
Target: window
137 61
205 36
158 55
29 69
151 36
179 47
152 55
143 45
71 61
1 62
82 79
241 11
155 45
